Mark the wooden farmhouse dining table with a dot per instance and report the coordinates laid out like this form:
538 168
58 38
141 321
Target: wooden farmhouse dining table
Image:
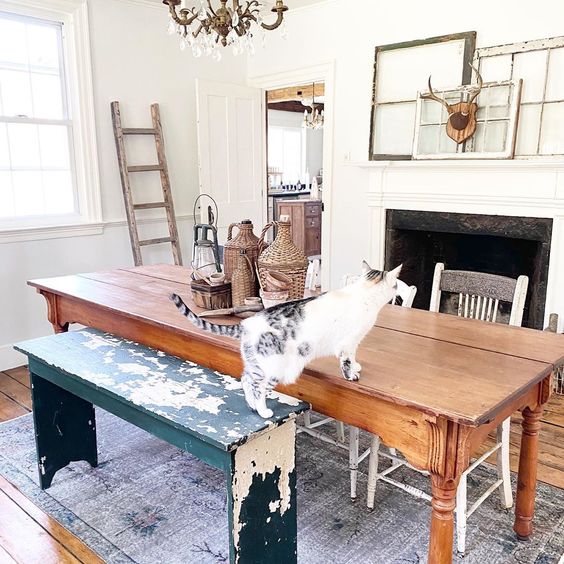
432 385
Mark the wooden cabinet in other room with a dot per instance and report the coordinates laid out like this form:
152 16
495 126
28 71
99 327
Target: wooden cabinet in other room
305 216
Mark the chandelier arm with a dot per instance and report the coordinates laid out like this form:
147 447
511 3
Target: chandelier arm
276 24
211 8
181 20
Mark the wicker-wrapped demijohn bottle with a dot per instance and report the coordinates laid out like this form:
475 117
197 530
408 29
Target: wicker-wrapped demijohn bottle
245 239
283 256
242 280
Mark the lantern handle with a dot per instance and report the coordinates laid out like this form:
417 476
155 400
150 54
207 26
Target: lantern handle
212 217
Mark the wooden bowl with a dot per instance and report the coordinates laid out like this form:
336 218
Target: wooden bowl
277 282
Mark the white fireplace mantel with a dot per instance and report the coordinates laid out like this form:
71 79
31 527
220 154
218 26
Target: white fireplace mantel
529 188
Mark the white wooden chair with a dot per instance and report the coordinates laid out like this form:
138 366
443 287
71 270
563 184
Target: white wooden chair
479 296
405 294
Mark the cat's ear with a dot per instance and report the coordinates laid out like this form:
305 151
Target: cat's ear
394 274
365 267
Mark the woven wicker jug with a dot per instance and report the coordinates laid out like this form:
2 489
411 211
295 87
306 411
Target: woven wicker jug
245 239
284 256
243 281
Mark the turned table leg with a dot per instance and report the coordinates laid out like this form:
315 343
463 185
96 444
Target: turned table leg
527 478
442 519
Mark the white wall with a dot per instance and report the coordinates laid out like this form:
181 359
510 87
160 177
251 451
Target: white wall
330 32
136 62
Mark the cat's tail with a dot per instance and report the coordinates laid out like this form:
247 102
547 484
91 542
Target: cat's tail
233 331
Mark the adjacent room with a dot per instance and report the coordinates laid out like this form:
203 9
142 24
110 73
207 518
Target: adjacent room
281 282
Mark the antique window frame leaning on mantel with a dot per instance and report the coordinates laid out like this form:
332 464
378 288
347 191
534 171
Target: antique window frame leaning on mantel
469 41
73 15
511 52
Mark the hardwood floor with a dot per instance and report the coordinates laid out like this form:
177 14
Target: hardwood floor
27 534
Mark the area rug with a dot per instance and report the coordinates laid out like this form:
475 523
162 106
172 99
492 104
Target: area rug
148 502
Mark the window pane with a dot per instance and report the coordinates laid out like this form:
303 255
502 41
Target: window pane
292 155
528 130
393 129
496 133
24 145
43 45
6 194
28 193
555 84
54 146
15 90
494 69
47 96
531 67
59 196
551 137
13 47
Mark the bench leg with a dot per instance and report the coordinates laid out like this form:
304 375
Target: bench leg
262 498
65 429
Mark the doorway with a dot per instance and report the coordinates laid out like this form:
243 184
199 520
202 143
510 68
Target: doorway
294 138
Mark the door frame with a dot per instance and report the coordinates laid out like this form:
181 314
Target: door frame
323 72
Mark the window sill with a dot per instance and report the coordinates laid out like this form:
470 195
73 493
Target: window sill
18 235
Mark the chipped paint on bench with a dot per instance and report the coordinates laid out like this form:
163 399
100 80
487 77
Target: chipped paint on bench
209 404
268 454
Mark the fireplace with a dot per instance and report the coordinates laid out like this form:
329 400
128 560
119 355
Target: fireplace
505 245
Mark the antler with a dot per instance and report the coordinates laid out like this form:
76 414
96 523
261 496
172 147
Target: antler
433 96
480 85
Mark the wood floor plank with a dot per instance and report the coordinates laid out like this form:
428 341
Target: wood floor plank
25 540
21 374
15 391
9 409
72 543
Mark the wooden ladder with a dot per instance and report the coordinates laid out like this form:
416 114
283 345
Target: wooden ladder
161 166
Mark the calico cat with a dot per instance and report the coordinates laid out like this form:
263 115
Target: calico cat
278 342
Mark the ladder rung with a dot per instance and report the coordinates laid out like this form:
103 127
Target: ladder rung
139 131
144 168
155 241
149 205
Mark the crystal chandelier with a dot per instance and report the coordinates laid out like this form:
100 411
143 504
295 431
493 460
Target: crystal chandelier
204 29
315 118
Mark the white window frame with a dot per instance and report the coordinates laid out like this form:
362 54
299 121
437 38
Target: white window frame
80 99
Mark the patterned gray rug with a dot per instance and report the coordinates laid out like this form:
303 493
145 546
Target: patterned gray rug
148 502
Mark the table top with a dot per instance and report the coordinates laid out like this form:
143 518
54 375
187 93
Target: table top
464 370
196 400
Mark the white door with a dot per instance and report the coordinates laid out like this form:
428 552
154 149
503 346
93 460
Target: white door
231 151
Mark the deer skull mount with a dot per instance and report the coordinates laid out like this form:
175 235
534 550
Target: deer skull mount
461 123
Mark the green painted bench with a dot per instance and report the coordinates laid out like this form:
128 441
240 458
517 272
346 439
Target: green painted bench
194 408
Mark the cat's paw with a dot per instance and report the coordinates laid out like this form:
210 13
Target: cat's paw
356 367
265 413
352 376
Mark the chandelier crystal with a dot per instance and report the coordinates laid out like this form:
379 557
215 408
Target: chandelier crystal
205 28
315 118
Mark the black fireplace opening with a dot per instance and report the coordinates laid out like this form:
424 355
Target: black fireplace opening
504 245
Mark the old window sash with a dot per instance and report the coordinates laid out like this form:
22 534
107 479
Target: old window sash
498 108
540 64
435 56
78 118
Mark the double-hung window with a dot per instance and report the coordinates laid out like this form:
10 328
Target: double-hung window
48 168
